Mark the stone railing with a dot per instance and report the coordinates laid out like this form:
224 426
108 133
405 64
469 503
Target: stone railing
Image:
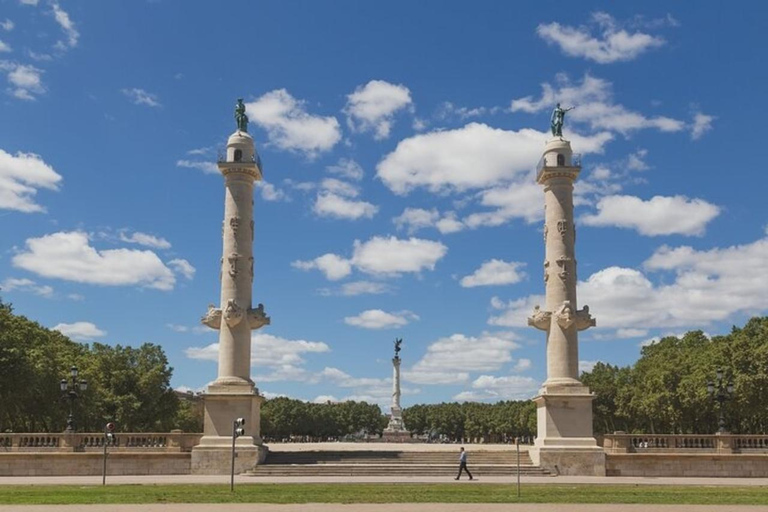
175 441
619 442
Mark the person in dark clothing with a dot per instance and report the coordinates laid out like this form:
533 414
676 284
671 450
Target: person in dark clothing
463 464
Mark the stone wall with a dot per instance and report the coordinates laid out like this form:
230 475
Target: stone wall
79 464
687 464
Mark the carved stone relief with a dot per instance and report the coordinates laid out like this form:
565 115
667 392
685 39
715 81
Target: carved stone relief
234 223
562 227
233 263
233 313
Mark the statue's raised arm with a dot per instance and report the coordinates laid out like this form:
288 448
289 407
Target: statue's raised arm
240 118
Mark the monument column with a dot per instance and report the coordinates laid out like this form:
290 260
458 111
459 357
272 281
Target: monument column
565 442
395 430
233 394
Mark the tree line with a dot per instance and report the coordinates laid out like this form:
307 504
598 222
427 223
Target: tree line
128 386
665 391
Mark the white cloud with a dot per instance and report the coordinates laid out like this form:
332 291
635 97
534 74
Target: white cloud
206 167
378 319
448 110
29 2
511 387
450 360
636 160
519 200
707 286
381 256
290 127
587 366
7 25
20 177
141 97
338 187
322 399
631 333
269 192
69 256
372 107
140 238
26 81
358 288
334 267
67 26
522 365
283 357
183 267
393 256
371 390
702 123
414 219
475 156
493 273
676 215
177 328
595 107
329 204
26 285
613 44
80 331
347 168
472 157
5 47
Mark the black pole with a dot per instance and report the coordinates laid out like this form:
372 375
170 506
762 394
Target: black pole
232 474
517 443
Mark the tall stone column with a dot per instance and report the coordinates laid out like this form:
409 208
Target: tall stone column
233 394
565 441
395 431
396 412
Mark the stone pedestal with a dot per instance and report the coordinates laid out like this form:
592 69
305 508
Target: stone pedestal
222 405
565 444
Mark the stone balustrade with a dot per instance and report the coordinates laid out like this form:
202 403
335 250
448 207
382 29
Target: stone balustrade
620 442
175 441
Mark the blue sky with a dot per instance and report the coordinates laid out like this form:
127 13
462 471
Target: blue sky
398 142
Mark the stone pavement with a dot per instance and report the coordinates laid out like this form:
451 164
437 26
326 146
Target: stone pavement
249 480
399 507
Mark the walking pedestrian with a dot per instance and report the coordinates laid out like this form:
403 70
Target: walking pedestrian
463 464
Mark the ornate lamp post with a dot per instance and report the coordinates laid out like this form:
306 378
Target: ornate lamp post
69 391
722 393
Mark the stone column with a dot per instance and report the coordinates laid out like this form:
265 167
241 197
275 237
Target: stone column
396 382
396 425
233 394
565 442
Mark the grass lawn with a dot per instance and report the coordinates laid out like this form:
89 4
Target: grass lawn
383 493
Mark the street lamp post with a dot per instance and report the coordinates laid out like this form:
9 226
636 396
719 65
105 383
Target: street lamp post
69 391
722 393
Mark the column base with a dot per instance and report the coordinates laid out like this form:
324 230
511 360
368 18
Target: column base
565 443
222 405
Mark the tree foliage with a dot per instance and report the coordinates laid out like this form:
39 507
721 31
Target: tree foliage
665 391
284 418
129 386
